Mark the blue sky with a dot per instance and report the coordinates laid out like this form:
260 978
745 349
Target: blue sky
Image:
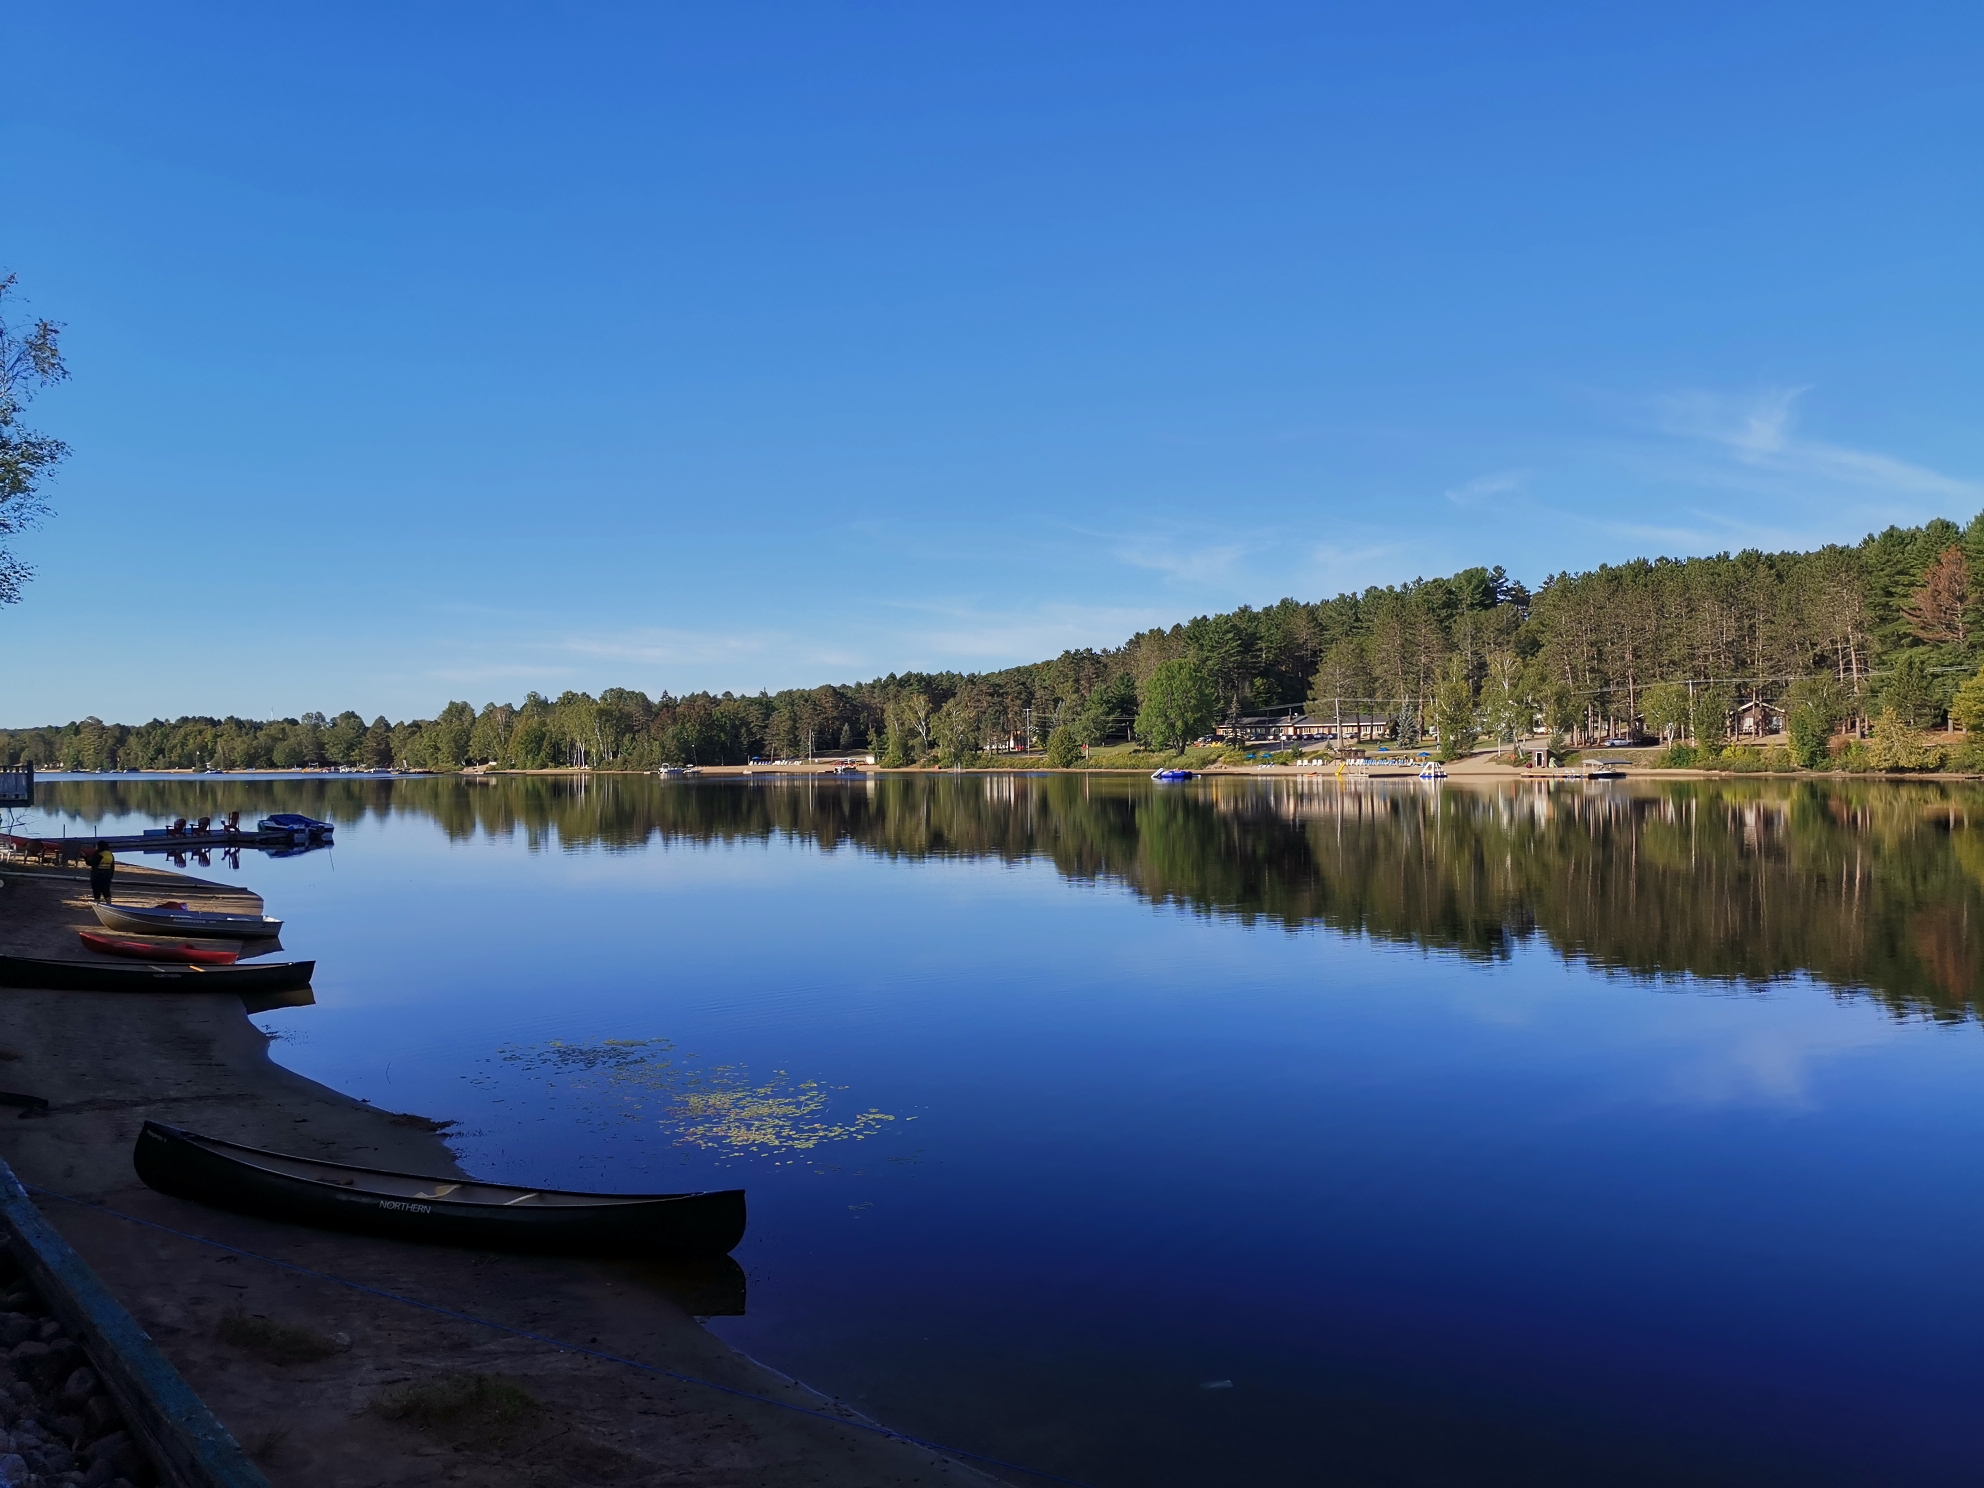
430 351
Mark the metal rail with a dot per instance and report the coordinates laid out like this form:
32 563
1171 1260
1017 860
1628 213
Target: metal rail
187 1445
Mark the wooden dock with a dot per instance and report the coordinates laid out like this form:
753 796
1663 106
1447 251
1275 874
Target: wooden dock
70 849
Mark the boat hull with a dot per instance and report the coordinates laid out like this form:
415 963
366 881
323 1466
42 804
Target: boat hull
135 920
136 976
226 1175
138 950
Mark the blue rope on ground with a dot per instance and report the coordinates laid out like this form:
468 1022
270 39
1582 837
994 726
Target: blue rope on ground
559 1344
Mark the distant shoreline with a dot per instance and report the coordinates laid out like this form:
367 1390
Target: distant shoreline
1460 772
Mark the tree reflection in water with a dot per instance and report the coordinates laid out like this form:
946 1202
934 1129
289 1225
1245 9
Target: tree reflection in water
1871 887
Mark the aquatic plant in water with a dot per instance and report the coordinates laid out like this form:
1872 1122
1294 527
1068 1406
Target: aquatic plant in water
716 1106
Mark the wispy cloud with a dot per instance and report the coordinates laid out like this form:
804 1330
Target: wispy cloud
1193 563
1467 493
1760 432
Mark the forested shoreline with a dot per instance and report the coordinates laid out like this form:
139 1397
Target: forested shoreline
1877 641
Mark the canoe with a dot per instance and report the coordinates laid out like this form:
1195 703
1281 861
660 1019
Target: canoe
145 950
438 1211
174 918
154 976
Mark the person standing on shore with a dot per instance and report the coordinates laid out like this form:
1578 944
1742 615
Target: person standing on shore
103 867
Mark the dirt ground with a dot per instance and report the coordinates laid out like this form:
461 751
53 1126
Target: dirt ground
334 1388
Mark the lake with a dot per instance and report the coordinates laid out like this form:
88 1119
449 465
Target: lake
1245 1131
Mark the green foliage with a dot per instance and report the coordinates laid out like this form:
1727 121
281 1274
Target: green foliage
1666 710
1586 651
1967 707
1506 706
273 1342
1064 750
960 735
1678 757
1909 693
1810 732
1453 711
480 1409
1896 746
1813 706
30 360
1708 715
1178 704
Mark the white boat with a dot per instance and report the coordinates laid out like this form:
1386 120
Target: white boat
175 918
1433 770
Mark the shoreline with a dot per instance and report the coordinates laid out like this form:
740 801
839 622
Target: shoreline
108 1061
1467 769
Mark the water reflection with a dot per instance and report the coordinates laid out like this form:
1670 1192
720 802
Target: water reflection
1870 887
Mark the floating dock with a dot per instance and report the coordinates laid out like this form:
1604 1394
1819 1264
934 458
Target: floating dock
62 849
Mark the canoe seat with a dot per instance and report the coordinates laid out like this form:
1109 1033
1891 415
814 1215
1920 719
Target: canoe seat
441 1191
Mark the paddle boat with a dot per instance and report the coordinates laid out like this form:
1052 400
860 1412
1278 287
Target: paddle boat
1432 770
1170 775
442 1211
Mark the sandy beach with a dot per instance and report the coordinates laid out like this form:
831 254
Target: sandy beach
107 1062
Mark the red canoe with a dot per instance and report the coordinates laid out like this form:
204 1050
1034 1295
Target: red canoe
151 951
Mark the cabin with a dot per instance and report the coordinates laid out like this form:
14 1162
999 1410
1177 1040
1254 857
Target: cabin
1755 720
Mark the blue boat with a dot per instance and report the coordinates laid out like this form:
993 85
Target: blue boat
300 829
1169 775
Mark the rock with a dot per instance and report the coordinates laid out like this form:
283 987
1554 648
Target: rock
51 1368
78 1387
49 1328
54 1461
15 1327
120 1455
100 1475
66 1427
23 1393
13 1469
100 1417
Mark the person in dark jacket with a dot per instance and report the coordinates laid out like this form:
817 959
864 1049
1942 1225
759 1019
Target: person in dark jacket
103 867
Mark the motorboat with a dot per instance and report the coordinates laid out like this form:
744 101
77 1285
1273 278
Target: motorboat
298 828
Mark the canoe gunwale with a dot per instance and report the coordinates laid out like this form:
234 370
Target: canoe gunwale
134 919
49 975
204 1169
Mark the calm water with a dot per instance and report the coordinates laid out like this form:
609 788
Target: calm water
1236 1133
